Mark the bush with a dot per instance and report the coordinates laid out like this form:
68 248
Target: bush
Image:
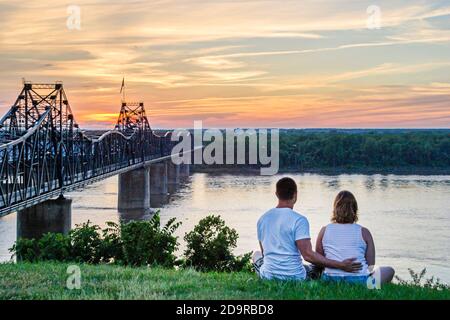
242 263
146 243
86 243
209 247
135 243
418 279
25 250
110 249
54 246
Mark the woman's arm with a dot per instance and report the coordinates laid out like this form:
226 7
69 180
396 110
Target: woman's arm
319 246
370 251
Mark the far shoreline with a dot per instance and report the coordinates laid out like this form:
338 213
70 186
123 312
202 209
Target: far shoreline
246 170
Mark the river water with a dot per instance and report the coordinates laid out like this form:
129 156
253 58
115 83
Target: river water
409 216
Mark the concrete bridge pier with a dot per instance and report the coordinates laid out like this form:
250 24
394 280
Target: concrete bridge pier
53 215
173 176
185 171
134 191
158 184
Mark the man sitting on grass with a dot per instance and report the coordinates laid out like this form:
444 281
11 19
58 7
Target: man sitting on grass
284 239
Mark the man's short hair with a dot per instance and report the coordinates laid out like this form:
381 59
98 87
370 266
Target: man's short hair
286 188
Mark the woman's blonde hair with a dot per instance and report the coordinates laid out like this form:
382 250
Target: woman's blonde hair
345 208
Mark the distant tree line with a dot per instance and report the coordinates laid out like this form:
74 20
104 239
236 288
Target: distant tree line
359 149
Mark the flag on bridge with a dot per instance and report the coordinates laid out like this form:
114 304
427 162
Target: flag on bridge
123 84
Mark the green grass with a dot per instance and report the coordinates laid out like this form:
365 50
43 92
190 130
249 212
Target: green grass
48 281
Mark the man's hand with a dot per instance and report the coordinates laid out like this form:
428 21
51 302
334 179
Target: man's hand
350 265
305 247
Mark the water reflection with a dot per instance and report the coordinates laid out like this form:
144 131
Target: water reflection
135 215
369 183
384 183
159 200
333 184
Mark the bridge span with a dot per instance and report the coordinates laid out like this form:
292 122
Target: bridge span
44 154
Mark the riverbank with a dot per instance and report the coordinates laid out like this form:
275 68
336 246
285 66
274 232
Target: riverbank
48 281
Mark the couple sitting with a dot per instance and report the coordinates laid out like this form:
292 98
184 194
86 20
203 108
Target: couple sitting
345 249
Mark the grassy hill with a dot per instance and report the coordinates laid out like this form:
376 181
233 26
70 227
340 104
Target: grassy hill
48 281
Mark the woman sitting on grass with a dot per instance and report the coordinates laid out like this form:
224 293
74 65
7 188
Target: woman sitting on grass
344 238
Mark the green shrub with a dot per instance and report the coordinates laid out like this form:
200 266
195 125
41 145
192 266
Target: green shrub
418 279
137 243
146 243
54 246
209 247
25 250
86 243
110 249
134 243
242 263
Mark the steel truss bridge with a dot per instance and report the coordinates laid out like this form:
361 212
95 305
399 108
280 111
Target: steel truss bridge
44 153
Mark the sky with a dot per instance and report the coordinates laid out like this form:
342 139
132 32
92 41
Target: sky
236 63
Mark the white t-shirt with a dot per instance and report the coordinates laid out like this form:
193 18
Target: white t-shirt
278 229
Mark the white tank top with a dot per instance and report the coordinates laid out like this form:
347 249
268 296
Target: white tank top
344 241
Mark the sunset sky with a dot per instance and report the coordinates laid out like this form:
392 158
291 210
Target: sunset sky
236 63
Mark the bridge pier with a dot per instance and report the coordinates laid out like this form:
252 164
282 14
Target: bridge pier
53 215
185 171
173 176
158 184
134 191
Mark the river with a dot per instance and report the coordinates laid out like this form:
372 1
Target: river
409 216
